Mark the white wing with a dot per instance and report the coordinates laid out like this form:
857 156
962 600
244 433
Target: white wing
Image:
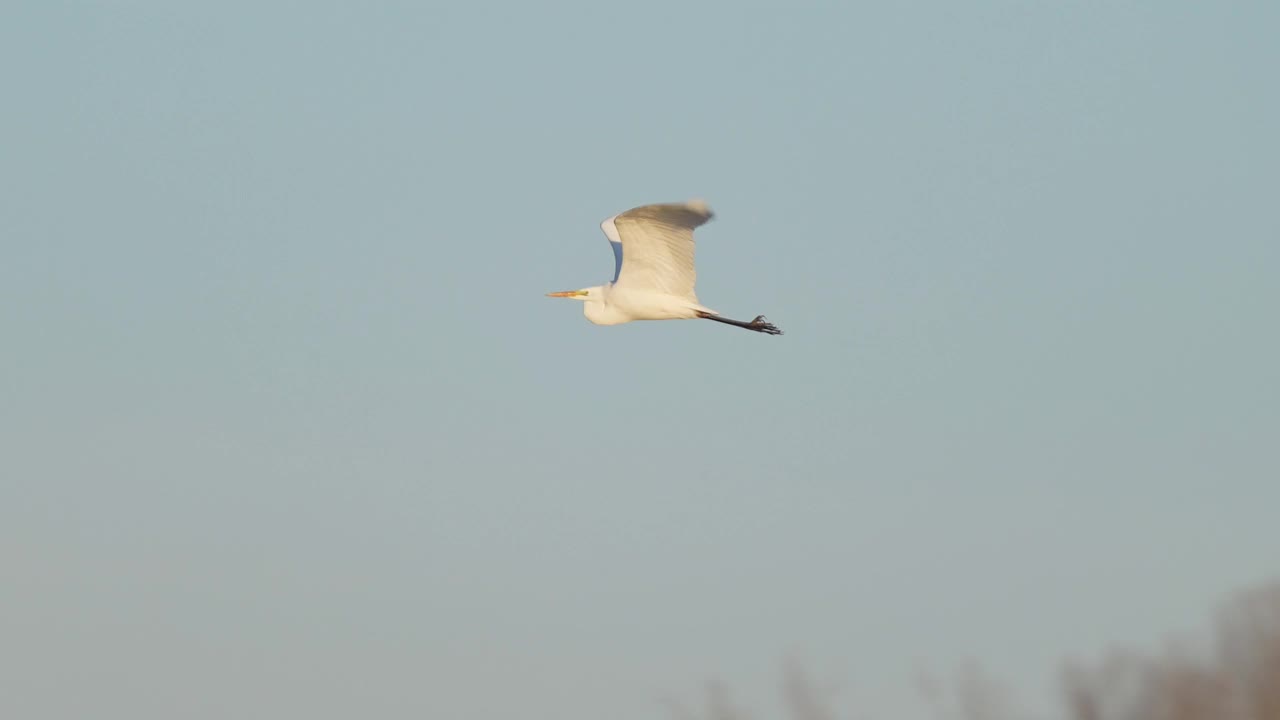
653 246
615 242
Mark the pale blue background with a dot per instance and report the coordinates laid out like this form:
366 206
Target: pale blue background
289 429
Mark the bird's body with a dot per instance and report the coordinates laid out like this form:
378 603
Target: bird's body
622 305
654 273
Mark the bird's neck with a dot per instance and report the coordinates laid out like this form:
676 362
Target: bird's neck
599 311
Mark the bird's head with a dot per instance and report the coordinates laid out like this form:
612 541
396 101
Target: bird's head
595 304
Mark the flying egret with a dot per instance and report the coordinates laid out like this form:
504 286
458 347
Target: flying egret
653 269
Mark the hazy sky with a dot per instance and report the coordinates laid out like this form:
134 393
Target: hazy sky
290 431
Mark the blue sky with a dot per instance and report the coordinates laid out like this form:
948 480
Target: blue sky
291 430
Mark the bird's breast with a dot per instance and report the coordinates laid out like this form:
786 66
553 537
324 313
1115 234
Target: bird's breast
624 306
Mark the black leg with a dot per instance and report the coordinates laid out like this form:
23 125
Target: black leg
759 324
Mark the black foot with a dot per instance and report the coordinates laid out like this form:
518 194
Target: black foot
759 324
762 325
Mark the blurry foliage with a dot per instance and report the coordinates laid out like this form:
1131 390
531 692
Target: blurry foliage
1238 679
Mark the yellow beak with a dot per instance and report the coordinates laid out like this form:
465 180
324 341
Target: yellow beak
567 293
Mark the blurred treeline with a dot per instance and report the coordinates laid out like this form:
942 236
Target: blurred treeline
1236 678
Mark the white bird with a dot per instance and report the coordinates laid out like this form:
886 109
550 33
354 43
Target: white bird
653 275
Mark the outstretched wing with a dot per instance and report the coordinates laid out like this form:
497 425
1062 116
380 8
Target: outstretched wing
615 242
653 246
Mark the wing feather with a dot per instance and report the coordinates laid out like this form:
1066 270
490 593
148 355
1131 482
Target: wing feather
615 243
654 246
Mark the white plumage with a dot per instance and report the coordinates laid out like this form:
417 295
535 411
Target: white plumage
654 272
